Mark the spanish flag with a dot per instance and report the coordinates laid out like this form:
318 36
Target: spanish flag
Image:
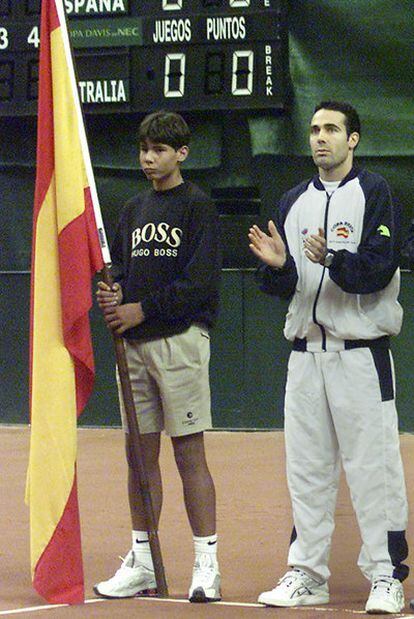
67 250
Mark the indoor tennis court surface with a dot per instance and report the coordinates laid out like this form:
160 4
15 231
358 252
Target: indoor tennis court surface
254 525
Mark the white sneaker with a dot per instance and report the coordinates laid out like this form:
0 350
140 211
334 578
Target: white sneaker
387 596
130 580
296 588
205 586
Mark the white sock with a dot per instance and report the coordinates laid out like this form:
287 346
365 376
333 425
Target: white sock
206 546
141 549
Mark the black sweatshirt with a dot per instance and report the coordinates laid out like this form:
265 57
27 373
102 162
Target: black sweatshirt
166 254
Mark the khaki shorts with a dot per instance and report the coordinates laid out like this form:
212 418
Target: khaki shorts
170 383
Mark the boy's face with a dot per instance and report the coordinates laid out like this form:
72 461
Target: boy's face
161 163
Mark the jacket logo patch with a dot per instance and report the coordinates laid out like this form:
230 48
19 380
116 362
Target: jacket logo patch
342 229
384 230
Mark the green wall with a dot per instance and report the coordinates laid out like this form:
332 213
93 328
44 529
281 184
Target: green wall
248 365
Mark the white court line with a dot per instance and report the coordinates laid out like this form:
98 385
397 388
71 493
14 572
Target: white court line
31 609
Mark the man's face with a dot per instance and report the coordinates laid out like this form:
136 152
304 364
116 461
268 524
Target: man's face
332 149
160 162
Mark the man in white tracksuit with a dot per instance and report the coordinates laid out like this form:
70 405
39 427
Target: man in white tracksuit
334 250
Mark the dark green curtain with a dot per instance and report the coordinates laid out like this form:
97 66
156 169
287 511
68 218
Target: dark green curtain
361 51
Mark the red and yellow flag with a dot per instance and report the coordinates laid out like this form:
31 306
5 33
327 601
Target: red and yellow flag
65 254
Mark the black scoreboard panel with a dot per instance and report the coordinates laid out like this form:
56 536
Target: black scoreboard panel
142 55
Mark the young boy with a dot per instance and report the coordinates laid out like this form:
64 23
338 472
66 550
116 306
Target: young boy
166 265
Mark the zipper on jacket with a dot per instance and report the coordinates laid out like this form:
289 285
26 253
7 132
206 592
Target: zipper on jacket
325 229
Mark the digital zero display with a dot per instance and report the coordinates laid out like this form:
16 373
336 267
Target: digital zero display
141 55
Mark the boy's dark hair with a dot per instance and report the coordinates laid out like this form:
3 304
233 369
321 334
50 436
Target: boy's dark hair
352 121
165 128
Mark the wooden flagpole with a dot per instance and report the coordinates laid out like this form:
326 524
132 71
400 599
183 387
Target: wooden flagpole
135 455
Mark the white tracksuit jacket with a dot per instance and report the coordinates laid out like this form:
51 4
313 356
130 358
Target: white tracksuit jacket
357 297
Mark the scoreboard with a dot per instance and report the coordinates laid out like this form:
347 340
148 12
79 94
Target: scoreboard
143 55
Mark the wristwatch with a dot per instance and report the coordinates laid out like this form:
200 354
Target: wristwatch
330 255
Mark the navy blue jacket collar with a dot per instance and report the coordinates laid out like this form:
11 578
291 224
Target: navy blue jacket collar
351 174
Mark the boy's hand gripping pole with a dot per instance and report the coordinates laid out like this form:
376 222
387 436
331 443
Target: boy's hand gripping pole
135 456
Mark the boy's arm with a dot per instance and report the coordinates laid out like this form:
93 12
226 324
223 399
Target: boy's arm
118 317
198 280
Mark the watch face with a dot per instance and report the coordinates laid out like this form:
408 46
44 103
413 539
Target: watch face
328 259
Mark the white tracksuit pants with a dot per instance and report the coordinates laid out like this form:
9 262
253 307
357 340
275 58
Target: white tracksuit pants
340 407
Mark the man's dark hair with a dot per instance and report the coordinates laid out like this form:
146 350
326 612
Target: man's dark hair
352 122
165 128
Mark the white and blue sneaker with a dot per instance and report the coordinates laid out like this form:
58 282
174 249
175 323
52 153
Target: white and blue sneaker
386 596
296 588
